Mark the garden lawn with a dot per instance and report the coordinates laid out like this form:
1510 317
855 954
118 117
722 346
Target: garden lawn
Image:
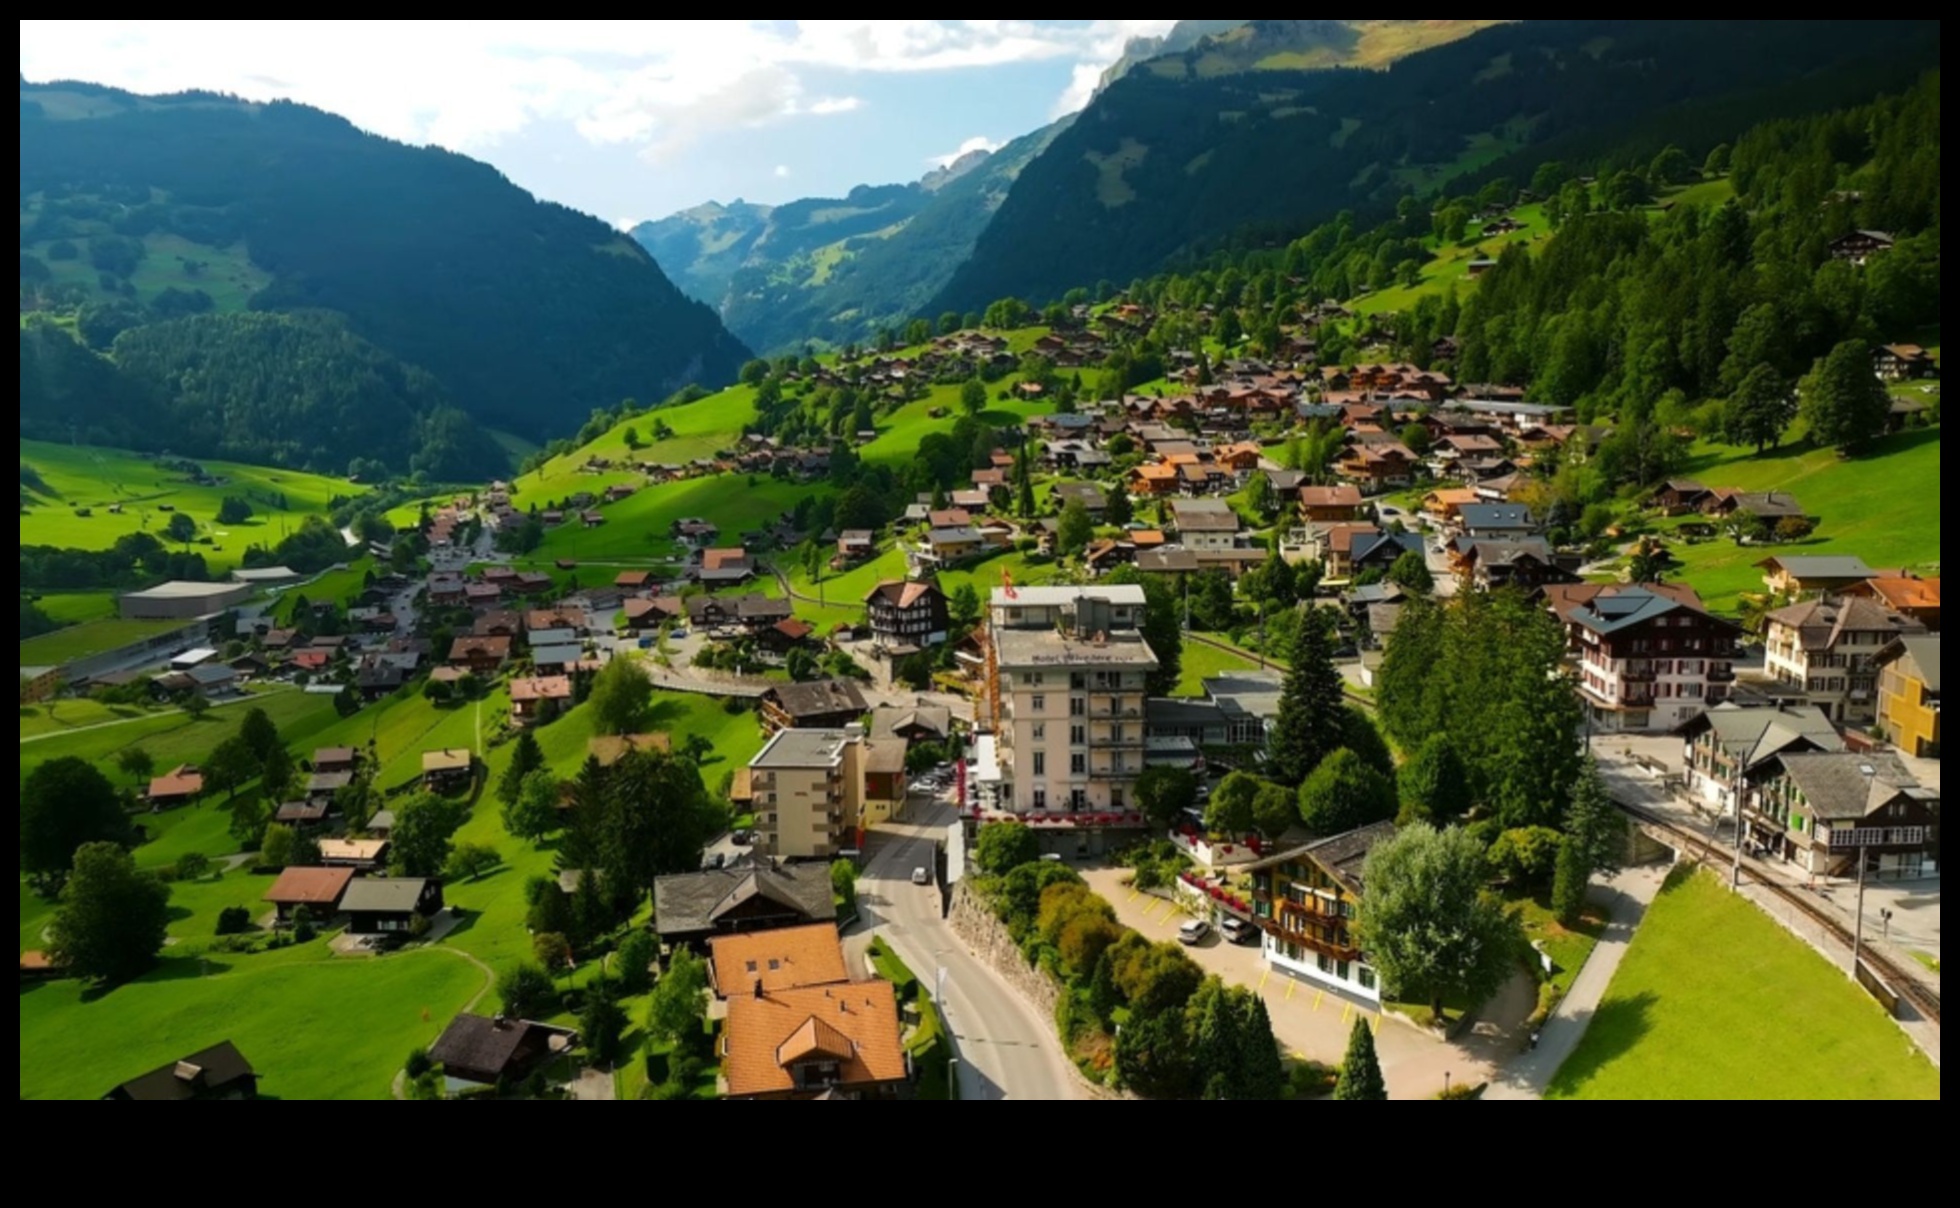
314 1027
701 429
175 737
1715 1001
83 476
1882 507
1202 662
1450 269
1567 946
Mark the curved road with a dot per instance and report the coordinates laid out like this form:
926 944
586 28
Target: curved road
1006 1048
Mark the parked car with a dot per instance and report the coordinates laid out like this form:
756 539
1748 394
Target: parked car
1193 932
921 877
741 838
1238 931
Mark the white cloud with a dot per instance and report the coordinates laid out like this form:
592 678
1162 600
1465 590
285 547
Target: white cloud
978 142
782 172
660 85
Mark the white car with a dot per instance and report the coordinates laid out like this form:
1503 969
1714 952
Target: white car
1193 932
921 877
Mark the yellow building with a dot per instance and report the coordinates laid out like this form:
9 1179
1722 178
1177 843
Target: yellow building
1909 695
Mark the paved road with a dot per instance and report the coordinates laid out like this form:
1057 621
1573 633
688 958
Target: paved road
1006 1048
1629 895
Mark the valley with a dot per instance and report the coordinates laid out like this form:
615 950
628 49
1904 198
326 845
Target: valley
1290 582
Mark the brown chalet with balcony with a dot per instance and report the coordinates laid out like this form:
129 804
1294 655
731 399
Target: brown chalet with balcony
1305 901
907 616
1827 811
1649 655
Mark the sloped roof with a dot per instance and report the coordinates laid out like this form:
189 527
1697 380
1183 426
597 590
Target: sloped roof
1923 652
817 698
855 1025
788 958
1341 856
207 1069
691 902
309 886
1837 786
384 895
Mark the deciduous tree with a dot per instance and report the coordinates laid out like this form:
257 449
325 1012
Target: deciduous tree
112 919
1165 793
620 695
1344 793
1005 846
1429 925
64 804
680 1001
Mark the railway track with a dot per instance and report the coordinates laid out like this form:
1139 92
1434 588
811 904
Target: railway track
1923 998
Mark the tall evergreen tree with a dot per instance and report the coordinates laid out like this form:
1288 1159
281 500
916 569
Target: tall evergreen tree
1843 402
1312 721
1361 1072
1593 824
525 757
1261 1076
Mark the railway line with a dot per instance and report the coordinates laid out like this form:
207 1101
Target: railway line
1923 998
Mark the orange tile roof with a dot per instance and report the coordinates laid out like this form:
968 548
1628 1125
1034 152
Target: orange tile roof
543 687
854 1024
182 782
310 886
1157 471
723 559
1904 594
792 958
1146 538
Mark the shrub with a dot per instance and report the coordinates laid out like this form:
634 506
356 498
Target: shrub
234 920
192 866
418 1063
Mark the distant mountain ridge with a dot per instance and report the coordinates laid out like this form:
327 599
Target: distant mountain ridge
528 315
1187 150
831 271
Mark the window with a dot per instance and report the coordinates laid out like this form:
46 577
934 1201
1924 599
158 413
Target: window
1365 976
1041 799
1078 765
1040 763
1037 703
1039 732
1034 679
1078 735
1077 707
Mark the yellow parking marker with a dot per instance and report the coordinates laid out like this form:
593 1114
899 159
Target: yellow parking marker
1347 1009
1262 981
1133 895
1291 986
1318 995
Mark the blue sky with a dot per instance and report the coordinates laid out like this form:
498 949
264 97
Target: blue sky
632 119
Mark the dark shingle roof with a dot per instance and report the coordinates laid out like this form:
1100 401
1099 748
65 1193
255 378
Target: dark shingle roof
203 1072
383 895
1342 856
818 698
692 902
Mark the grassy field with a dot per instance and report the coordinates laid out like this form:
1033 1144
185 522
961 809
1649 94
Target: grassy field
91 637
1203 662
313 1027
75 607
1451 266
170 738
98 478
1875 506
337 586
701 429
1715 1001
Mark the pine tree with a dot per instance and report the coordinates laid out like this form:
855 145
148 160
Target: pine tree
1260 1073
1594 824
1569 882
525 757
1312 723
1361 1073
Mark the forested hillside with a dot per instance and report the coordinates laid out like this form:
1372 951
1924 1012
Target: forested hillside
1158 166
142 210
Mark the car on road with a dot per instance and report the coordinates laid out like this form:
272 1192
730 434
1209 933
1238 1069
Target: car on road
1238 931
1193 932
718 860
921 877
741 838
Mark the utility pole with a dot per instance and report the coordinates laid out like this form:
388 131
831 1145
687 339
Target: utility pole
1870 773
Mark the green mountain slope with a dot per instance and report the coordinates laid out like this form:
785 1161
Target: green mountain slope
526 313
1158 165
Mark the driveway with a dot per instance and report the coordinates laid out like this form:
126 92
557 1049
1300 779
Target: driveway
1312 1023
